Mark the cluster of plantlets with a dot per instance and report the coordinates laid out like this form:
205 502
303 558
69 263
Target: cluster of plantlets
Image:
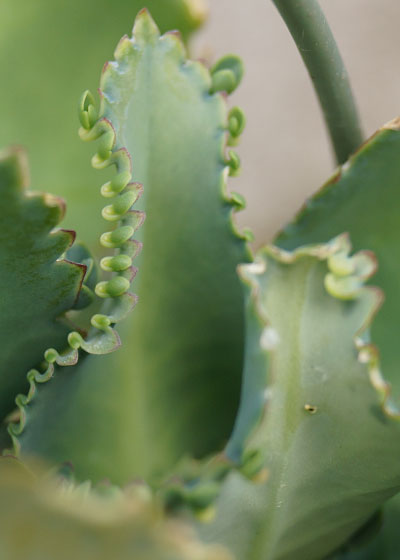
245 414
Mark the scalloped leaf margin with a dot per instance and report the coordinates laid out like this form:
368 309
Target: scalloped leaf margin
39 283
118 301
108 129
280 519
60 520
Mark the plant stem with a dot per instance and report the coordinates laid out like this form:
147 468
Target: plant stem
313 37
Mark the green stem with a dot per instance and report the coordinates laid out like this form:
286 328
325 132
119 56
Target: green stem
313 37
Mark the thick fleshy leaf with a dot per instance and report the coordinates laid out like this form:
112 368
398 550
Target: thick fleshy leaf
79 253
45 80
173 388
47 519
36 285
379 540
329 448
363 198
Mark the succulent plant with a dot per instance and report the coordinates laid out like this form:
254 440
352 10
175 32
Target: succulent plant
250 411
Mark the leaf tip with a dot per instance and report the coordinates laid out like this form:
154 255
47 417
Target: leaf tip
123 49
71 234
145 28
14 163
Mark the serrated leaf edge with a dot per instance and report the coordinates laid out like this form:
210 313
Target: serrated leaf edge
144 30
366 352
103 338
94 127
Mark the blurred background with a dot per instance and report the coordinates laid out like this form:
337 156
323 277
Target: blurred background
285 150
51 52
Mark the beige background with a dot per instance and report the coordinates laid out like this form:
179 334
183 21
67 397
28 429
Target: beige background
285 150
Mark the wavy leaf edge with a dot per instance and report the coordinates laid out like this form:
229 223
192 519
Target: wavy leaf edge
103 338
345 279
104 511
118 301
63 240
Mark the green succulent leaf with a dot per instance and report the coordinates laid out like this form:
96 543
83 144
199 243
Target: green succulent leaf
37 285
379 540
227 73
79 253
176 381
310 406
101 338
45 79
47 518
362 198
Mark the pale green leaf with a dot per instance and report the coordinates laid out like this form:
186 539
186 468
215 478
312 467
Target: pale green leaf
329 449
363 198
50 52
173 388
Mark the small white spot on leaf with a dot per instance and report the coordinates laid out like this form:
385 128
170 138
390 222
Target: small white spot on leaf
267 394
269 338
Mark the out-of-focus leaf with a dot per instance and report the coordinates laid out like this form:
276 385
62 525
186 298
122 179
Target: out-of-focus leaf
47 520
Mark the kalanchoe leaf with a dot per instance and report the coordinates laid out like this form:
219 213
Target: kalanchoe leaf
236 124
49 518
39 116
227 73
37 286
362 198
310 406
379 540
176 381
195 485
102 337
78 253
